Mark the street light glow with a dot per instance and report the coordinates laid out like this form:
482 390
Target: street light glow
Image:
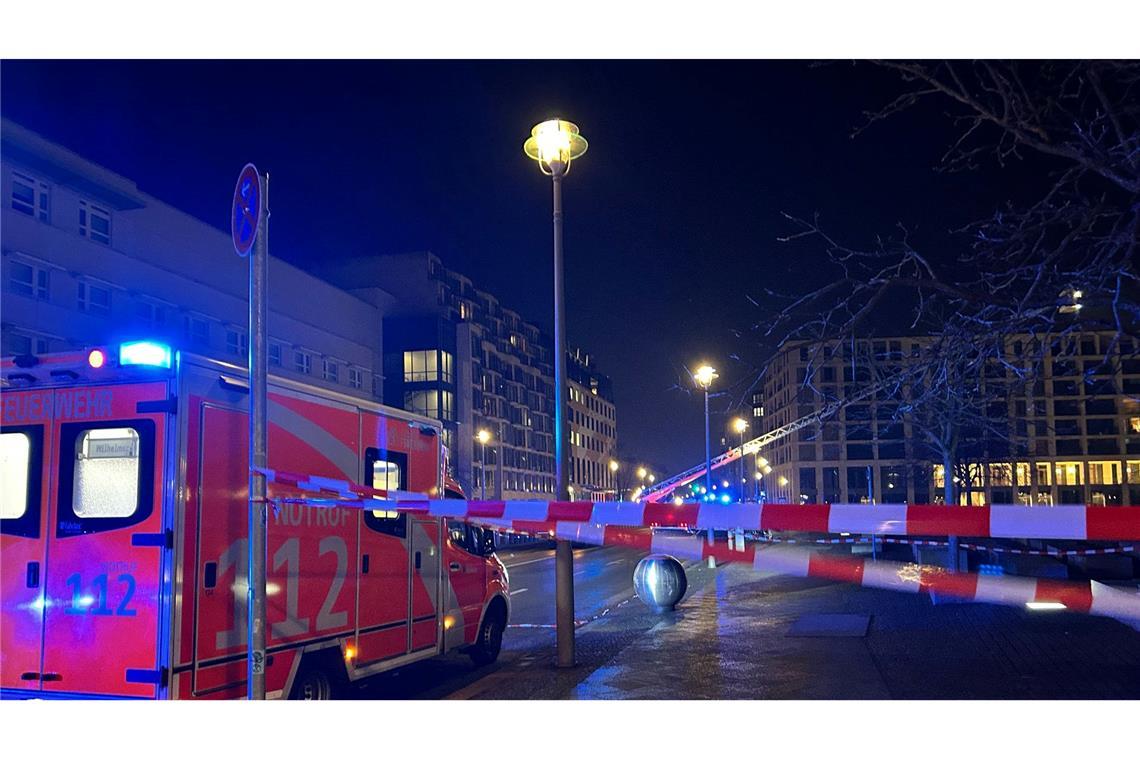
483 436
554 144
739 425
705 375
613 465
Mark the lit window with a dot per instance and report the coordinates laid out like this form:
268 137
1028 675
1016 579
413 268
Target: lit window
1069 473
15 453
94 299
31 197
355 377
331 370
94 223
1104 473
1134 424
388 473
28 280
106 473
421 366
303 362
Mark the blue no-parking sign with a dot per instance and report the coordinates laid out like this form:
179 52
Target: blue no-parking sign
247 210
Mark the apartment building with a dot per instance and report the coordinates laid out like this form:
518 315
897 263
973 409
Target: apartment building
1073 434
88 259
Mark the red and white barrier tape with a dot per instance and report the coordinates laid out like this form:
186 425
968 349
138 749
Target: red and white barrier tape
1076 522
1080 596
973 547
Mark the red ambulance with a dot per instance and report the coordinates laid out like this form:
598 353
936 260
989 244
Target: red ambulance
124 535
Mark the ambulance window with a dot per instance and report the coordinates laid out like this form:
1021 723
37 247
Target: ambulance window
15 456
387 470
106 473
21 477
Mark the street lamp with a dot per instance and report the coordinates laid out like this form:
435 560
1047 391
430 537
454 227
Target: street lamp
554 144
642 473
740 425
614 469
484 437
704 377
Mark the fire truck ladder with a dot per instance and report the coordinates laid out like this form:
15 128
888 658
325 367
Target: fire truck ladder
751 447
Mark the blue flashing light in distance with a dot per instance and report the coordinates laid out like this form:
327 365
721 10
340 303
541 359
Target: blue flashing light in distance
725 498
144 353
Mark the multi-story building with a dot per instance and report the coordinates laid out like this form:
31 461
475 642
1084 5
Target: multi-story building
1073 436
452 351
88 259
593 429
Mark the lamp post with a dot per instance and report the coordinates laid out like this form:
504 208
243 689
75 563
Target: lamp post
704 377
483 437
554 144
740 425
613 470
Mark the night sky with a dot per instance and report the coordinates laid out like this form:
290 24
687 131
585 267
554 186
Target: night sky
672 217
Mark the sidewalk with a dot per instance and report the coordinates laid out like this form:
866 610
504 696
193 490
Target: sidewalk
730 641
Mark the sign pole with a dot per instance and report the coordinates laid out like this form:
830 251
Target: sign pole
258 448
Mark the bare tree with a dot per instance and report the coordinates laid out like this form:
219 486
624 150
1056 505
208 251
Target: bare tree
1063 264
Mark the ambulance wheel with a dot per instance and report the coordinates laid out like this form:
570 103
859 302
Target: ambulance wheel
317 680
490 639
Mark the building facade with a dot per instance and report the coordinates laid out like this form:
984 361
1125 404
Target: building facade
593 429
452 351
89 259
1073 435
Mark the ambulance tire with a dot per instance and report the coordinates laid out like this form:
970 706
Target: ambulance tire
490 639
318 679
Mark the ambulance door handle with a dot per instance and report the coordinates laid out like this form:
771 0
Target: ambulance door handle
364 564
33 575
417 560
454 566
211 574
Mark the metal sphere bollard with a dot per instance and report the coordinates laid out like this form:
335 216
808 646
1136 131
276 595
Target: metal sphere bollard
660 582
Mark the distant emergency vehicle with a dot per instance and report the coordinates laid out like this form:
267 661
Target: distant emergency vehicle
124 522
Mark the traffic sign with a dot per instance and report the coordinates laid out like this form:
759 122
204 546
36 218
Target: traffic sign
246 210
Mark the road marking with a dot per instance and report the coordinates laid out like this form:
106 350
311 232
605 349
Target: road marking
615 562
530 561
518 591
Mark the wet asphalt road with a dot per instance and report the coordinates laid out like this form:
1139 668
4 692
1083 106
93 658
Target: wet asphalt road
603 581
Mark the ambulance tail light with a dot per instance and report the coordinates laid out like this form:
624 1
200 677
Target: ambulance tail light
144 353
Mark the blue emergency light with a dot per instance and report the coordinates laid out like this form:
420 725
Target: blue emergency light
144 353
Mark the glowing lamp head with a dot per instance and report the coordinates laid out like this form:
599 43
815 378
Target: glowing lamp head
739 425
96 358
704 376
554 144
783 480
613 465
483 436
642 472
